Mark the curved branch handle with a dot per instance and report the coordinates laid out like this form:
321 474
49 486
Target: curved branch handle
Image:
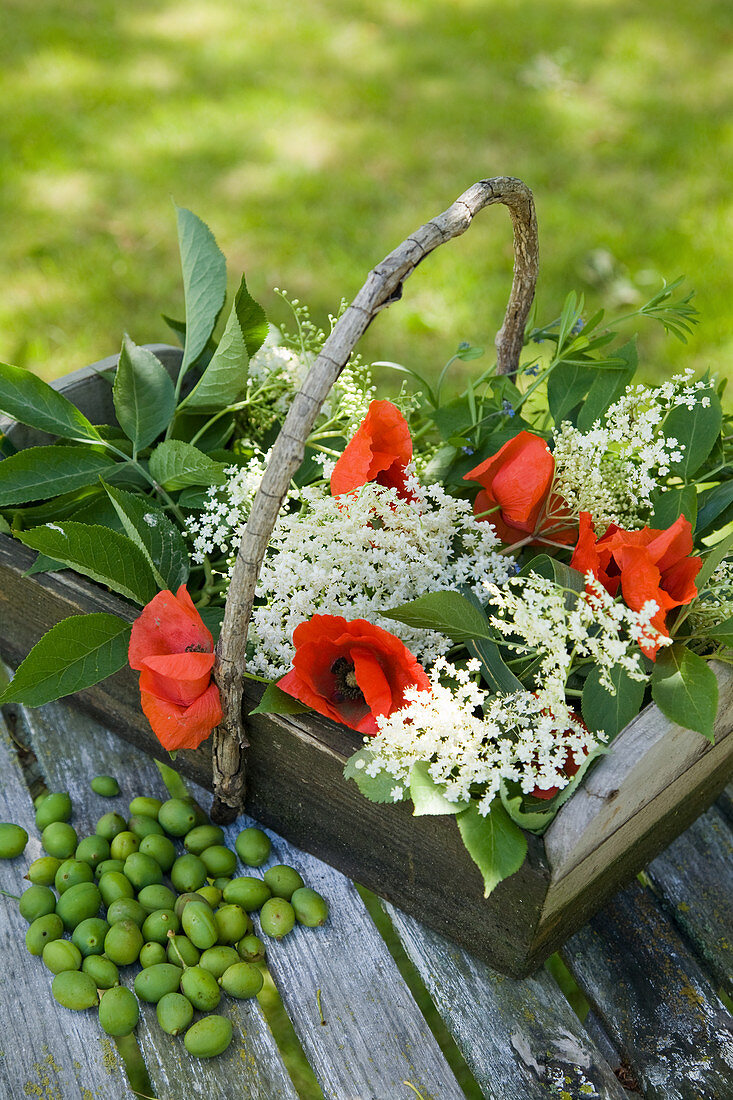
382 287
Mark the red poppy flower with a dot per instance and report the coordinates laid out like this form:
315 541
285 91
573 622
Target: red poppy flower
379 452
649 564
516 484
351 671
570 768
174 653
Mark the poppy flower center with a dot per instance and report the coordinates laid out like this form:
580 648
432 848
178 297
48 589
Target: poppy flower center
346 686
196 648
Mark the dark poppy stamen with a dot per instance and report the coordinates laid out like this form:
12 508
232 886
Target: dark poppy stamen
196 648
346 686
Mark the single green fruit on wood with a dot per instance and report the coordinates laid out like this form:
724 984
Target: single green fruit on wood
218 959
124 844
107 865
42 931
201 988
211 894
219 861
142 871
114 885
144 805
13 840
188 873
143 825
59 839
89 936
123 942
310 908
251 948
253 847
174 1012
277 918
242 980
181 952
159 848
202 837
177 817
119 1011
60 955
185 899
42 871
283 881
105 785
70 873
158 924
92 850
151 954
101 970
74 989
154 982
126 909
109 825
232 923
208 1037
78 903
248 892
199 924
156 897
35 902
54 807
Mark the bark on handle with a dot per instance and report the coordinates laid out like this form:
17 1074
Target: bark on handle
382 287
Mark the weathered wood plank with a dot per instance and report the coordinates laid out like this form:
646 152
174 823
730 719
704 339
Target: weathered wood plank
654 1001
45 1050
694 878
72 748
374 1038
521 1039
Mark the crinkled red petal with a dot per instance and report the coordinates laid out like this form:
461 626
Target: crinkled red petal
179 727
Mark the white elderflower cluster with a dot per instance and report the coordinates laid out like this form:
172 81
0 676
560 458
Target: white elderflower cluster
358 556
470 739
612 470
218 529
563 627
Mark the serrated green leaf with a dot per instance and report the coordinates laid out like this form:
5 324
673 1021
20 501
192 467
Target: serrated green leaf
144 394
428 796
74 654
685 689
37 473
698 428
446 612
668 505
176 465
252 319
103 555
495 844
160 540
225 378
32 401
204 282
43 564
610 713
276 701
378 788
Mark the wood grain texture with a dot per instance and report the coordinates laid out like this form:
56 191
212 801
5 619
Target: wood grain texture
521 1039
71 749
45 1050
694 879
654 1001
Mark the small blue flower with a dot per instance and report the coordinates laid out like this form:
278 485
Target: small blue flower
507 408
535 370
577 327
468 450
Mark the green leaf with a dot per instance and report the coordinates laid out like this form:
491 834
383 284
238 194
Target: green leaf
722 632
446 612
42 564
75 654
496 673
566 388
105 556
562 575
713 504
669 504
378 788
685 689
698 428
37 473
607 387
152 532
32 401
213 617
204 282
453 418
252 319
495 844
534 821
144 394
277 701
176 465
610 713
711 562
428 796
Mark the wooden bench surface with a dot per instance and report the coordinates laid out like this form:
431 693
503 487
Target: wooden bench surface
649 964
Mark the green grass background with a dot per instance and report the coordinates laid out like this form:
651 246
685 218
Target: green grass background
314 136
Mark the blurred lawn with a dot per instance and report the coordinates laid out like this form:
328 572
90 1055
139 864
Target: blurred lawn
313 137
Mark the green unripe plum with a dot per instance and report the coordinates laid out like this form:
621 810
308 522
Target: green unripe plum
144 805
184 900
283 881
101 970
218 959
201 988
159 848
251 948
89 936
155 981
59 839
151 954
188 873
174 1012
277 918
247 892
208 1037
210 894
107 865
126 909
181 952
202 818
74 989
13 840
159 923
142 825
105 785
109 825
199 924
78 903
39 799
71 873
114 885
119 1011
253 847
92 850
35 902
54 807
242 980
310 908
218 861
60 955
202 837
42 931
123 942
221 881
42 871
232 923
177 817
156 897
142 871
123 845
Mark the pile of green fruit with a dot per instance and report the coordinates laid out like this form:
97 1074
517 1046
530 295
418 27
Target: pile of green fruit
192 933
